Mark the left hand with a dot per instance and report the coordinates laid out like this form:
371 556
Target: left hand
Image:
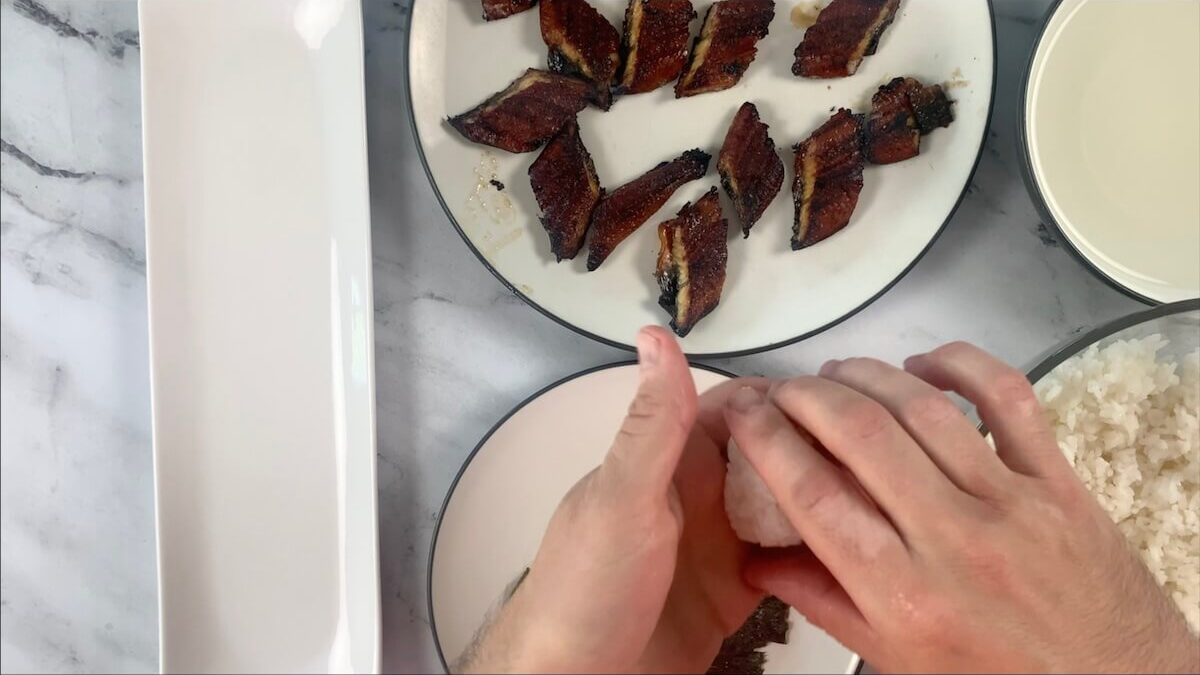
639 569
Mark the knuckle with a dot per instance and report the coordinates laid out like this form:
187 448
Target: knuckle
867 421
650 410
1011 388
931 409
813 493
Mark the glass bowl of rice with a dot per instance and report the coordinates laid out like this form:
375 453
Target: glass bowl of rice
1124 400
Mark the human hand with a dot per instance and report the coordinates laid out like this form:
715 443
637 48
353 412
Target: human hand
926 550
639 569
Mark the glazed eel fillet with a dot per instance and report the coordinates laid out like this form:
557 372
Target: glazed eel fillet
582 43
655 43
494 10
902 111
845 32
829 177
728 42
691 262
566 188
625 209
526 114
751 171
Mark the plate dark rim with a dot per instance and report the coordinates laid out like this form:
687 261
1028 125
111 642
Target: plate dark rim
1036 195
698 355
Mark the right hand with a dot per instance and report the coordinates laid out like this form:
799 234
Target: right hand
926 550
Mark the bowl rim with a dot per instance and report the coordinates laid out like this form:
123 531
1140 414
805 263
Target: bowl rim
966 189
1079 344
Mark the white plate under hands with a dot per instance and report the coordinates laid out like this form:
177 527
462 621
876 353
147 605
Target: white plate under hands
259 275
498 508
773 295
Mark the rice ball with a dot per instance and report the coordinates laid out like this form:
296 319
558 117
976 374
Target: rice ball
752 509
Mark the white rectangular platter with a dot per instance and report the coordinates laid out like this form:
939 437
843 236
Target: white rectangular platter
259 277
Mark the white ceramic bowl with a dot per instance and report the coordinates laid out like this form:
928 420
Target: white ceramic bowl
1111 141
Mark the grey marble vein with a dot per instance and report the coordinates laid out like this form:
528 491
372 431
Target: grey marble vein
77 574
40 14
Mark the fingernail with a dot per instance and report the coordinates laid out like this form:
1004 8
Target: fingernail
745 398
828 367
912 361
648 350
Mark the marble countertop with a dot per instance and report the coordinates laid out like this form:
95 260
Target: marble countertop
77 591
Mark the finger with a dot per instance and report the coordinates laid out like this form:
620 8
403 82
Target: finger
1004 399
864 436
931 418
646 450
711 416
835 521
797 577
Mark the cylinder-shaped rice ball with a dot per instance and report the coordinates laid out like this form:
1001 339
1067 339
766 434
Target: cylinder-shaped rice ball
752 509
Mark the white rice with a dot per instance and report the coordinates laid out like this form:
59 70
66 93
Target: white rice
752 509
1129 423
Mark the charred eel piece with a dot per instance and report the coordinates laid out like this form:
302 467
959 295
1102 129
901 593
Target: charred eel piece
655 44
526 114
625 209
566 188
728 42
582 43
845 32
751 171
691 262
829 177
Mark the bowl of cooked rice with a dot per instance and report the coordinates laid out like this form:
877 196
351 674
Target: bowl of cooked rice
1124 400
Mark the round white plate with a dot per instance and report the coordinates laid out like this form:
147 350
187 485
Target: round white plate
1112 142
773 295
498 508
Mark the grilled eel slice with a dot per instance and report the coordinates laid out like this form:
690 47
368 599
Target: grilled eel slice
902 111
691 262
565 185
846 31
930 106
582 43
726 45
751 171
494 10
623 210
655 43
829 176
526 114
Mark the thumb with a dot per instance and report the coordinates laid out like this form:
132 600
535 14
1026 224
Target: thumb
647 448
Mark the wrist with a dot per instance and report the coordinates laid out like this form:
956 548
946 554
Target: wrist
515 641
